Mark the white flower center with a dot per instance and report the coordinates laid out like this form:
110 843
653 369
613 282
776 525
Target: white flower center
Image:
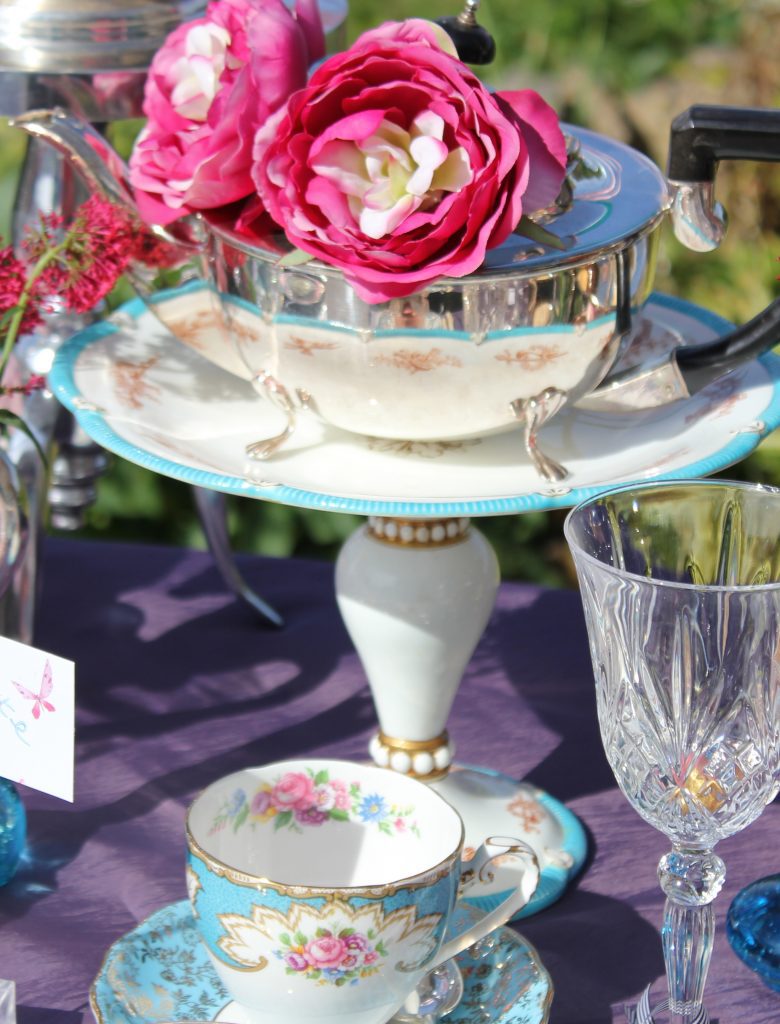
394 172
197 72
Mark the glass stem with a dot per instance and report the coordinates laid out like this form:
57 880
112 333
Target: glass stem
691 880
687 934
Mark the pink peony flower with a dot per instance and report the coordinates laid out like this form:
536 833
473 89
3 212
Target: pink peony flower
211 85
324 952
398 166
294 791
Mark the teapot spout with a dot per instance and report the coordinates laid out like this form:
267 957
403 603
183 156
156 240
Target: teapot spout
101 168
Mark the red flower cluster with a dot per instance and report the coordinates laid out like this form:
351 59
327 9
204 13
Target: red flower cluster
13 275
84 260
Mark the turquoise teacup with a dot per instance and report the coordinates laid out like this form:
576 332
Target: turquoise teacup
324 889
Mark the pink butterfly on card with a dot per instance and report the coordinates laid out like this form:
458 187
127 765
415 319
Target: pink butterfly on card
39 699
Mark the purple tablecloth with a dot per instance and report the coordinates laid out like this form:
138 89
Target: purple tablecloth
177 684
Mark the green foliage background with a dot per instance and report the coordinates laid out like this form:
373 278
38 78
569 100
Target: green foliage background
624 67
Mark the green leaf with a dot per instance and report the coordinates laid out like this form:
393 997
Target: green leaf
285 940
10 419
530 229
384 827
300 939
339 815
381 948
296 258
322 932
371 933
283 819
346 932
241 817
341 981
320 777
315 974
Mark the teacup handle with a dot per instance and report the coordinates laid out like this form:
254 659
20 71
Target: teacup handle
479 870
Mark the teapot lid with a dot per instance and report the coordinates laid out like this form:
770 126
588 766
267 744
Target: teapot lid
80 36
612 194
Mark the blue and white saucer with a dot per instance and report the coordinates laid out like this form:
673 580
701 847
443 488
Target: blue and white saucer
160 971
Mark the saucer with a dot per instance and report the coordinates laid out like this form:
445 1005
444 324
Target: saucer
160 971
168 406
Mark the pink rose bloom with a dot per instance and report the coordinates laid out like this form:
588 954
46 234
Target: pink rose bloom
397 165
370 957
294 791
327 951
211 85
356 941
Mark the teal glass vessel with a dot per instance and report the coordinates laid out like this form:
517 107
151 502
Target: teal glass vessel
13 830
753 928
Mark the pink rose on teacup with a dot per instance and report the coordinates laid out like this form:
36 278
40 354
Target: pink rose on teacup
294 791
398 166
210 86
325 951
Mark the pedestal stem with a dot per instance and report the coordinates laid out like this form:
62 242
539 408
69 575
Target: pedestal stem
415 595
691 880
687 934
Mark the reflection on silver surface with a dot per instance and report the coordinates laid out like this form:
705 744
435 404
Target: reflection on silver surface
79 36
699 222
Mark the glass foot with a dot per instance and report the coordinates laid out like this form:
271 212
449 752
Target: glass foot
492 804
753 928
643 1013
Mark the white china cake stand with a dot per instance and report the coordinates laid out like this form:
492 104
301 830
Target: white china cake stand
417 583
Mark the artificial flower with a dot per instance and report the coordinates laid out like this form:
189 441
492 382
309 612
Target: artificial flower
213 82
397 165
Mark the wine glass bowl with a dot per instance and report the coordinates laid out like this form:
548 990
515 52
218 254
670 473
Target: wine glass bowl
680 585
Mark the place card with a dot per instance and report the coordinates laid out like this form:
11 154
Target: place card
37 712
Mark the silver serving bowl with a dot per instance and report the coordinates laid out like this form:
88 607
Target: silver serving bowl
537 328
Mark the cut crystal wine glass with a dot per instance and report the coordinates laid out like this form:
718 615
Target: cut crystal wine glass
680 584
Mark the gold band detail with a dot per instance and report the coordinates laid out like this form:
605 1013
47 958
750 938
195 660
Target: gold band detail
415 746
418 533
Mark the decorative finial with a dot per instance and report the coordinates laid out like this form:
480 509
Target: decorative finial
475 45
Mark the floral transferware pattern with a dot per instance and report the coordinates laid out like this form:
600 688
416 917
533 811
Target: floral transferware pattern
534 358
307 798
337 944
326 958
161 971
418 362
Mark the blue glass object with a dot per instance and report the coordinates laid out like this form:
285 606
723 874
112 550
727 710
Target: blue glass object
753 928
13 830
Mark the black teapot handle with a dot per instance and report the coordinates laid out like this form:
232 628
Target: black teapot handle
700 365
703 135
